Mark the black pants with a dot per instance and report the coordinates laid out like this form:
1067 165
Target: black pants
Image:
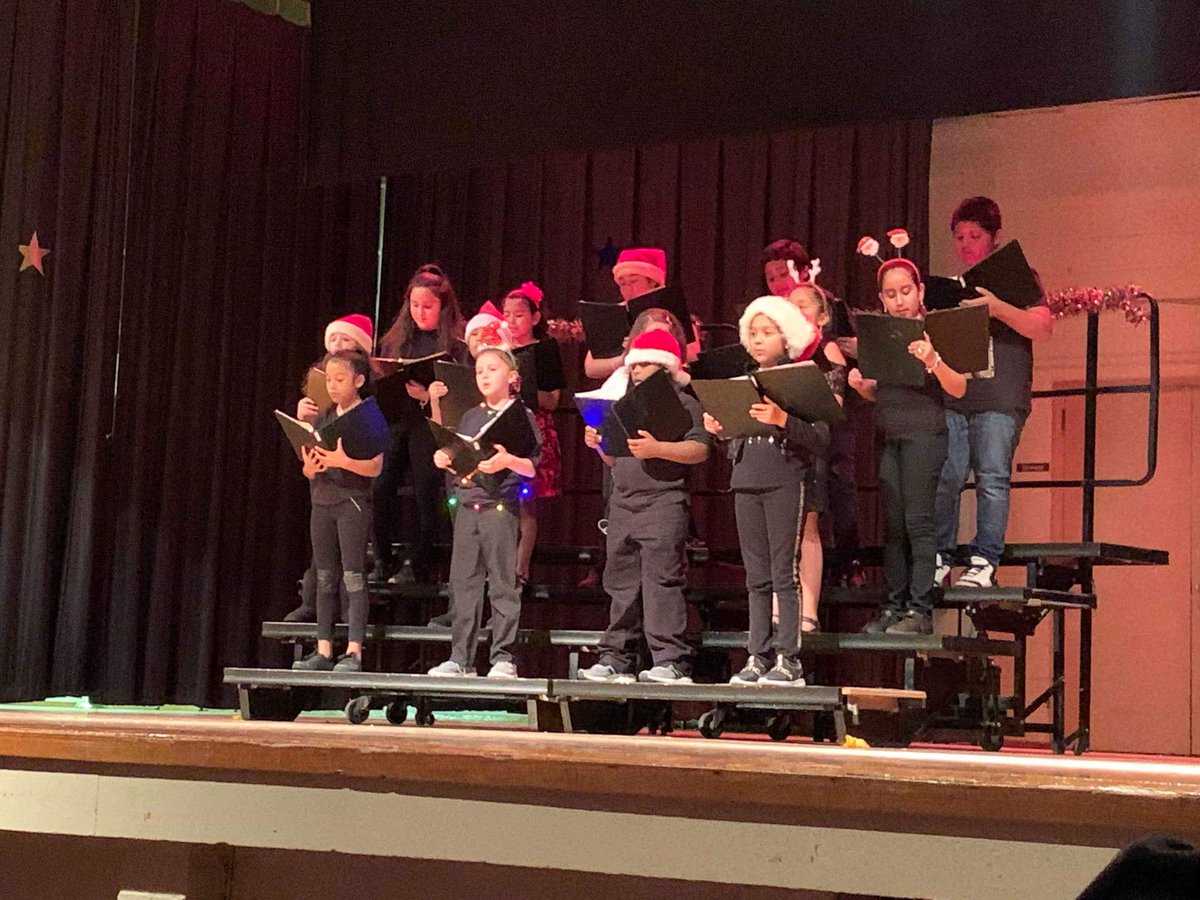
339 534
308 589
485 552
842 495
412 448
768 525
909 470
644 576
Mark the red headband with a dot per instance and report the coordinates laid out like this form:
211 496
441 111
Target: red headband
895 263
530 291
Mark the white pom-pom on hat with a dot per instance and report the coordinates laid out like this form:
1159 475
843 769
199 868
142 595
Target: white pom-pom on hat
798 332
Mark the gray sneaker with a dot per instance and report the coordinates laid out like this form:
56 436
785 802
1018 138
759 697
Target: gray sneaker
348 663
450 669
756 667
913 623
668 674
787 671
314 662
884 622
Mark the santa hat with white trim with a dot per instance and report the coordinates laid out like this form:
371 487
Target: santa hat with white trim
648 261
798 332
494 330
657 346
356 327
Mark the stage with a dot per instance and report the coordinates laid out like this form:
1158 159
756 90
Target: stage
463 804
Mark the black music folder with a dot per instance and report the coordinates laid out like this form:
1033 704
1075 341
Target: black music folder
672 300
960 335
510 429
315 390
799 388
883 349
363 432
728 401
1006 273
392 377
463 391
724 362
605 327
653 406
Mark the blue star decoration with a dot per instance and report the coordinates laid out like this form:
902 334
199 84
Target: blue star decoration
606 256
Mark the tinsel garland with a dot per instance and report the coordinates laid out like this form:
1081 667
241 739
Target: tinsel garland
565 331
1074 301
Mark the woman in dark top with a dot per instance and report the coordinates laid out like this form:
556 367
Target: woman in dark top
913 423
540 363
429 321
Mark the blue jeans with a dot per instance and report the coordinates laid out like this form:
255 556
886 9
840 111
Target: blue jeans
982 442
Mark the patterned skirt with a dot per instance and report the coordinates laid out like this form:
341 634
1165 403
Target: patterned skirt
548 474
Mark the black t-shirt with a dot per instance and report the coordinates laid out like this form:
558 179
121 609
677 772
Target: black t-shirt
420 343
1008 389
903 411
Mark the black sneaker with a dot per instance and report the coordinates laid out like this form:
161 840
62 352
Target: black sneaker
883 622
786 671
301 613
314 662
913 623
348 663
756 667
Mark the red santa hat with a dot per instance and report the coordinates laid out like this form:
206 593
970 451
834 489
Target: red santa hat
356 327
799 335
648 261
657 346
494 331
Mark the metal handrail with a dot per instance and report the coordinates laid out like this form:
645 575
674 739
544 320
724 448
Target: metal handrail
1090 392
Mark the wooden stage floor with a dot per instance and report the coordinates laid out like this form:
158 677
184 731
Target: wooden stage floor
1016 798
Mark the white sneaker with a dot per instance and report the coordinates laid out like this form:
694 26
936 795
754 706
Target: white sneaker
603 672
503 669
941 572
980 573
450 669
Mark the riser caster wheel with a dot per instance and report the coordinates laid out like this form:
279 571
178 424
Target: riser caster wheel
358 710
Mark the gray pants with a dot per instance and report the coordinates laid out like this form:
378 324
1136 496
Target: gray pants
644 577
485 550
768 524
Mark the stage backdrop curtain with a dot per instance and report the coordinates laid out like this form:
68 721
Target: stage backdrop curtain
65 83
233 270
146 532
713 204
